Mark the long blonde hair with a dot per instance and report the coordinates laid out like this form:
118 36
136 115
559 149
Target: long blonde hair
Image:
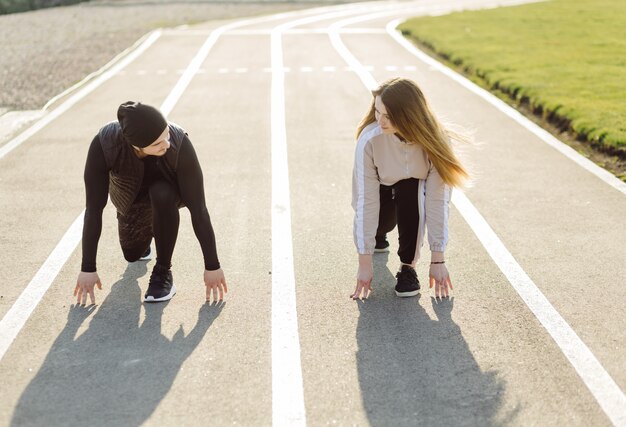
410 114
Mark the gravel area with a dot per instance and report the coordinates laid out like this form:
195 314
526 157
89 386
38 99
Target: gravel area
46 51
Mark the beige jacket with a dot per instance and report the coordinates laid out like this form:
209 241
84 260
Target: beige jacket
385 159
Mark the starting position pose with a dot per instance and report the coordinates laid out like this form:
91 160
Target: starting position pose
404 169
149 169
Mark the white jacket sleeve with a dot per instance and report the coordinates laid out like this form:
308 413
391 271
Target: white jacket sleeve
365 198
437 210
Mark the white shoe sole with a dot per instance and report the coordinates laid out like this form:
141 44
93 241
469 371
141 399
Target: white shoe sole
379 251
165 298
407 294
146 257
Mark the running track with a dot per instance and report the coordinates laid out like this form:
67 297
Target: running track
534 334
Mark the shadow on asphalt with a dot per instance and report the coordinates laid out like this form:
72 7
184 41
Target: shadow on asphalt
414 370
117 371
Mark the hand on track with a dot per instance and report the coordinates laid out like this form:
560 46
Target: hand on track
439 276
85 286
215 283
364 277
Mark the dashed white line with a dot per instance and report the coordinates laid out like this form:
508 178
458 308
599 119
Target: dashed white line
265 31
243 70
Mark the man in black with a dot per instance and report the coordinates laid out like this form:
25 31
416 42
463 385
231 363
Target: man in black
149 169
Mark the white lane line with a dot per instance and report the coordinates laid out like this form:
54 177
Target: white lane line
542 134
287 386
15 318
362 71
606 392
86 90
20 311
604 389
196 62
106 66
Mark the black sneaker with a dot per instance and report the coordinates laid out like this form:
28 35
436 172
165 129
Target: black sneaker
147 255
408 285
161 287
382 245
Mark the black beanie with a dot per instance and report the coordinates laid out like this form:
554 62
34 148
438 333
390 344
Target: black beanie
141 124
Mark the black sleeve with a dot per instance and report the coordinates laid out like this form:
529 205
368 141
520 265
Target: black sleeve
97 191
191 187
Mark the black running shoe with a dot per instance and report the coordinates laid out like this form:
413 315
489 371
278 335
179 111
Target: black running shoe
382 245
147 255
161 287
408 285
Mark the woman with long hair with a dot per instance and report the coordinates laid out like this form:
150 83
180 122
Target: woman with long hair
404 170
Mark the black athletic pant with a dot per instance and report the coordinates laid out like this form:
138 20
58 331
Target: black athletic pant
153 214
399 206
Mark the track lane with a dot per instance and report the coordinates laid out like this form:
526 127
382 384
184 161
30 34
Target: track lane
557 220
397 356
610 404
42 186
481 350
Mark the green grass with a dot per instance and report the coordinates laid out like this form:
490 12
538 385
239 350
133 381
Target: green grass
565 59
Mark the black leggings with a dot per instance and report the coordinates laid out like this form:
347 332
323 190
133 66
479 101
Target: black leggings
153 214
399 206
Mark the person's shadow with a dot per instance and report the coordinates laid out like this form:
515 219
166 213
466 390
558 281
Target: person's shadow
117 371
414 370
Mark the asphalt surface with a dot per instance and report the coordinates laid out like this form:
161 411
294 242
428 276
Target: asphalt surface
480 358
